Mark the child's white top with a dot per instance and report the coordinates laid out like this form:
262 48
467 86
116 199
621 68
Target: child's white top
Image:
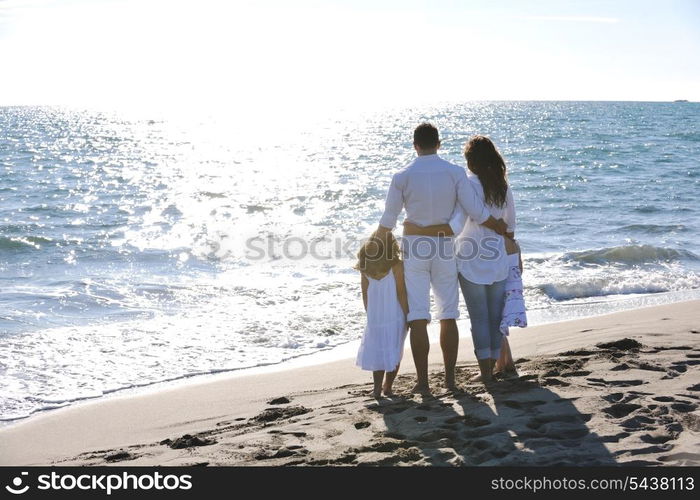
514 312
383 340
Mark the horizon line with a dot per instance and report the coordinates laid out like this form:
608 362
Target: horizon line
445 101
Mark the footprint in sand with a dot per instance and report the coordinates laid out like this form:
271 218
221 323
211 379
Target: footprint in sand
619 410
615 397
620 367
273 414
383 446
187 441
658 437
579 352
119 456
687 362
576 373
658 410
649 367
559 367
279 401
639 422
287 433
621 345
657 349
614 438
684 407
663 399
661 448
555 382
614 383
284 452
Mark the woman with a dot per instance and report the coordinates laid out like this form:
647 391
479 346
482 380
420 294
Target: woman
482 259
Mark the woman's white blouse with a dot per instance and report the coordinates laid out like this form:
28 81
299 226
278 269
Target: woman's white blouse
481 252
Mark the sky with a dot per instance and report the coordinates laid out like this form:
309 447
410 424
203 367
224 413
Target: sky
318 54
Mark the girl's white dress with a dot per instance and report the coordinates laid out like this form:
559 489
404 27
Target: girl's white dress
382 343
514 307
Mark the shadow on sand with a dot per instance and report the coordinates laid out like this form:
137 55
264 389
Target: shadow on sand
513 422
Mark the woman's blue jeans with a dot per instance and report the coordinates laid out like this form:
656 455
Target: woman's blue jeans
485 306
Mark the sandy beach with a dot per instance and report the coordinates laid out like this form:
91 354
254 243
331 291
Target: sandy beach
617 389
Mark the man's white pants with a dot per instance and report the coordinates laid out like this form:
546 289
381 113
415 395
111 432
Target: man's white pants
430 262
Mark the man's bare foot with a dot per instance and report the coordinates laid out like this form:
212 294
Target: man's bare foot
421 389
450 384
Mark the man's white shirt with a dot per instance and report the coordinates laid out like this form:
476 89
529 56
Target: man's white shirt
430 188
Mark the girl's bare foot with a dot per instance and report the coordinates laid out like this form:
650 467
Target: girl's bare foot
388 391
506 374
377 394
482 378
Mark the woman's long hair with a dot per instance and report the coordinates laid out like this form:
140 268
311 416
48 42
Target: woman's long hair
487 163
377 255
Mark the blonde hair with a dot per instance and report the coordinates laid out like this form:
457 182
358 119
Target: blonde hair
377 255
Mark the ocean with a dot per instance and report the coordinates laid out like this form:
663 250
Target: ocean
140 249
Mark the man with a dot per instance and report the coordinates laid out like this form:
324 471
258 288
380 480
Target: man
429 189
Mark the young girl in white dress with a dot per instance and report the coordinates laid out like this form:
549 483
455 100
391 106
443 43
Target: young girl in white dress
386 303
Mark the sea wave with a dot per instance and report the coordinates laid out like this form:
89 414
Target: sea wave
631 255
654 228
601 287
23 242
